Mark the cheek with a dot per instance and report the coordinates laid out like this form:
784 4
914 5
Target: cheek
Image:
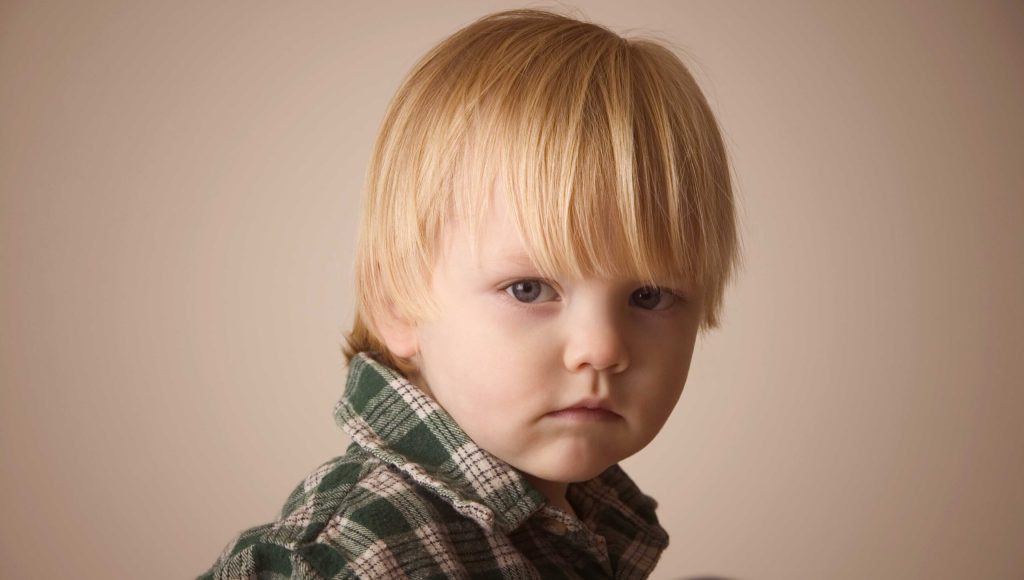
666 364
489 357
531 351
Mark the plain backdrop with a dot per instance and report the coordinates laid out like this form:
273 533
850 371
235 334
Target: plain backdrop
180 187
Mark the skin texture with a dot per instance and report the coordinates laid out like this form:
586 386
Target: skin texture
501 358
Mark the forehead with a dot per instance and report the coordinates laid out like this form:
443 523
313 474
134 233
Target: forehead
571 236
494 238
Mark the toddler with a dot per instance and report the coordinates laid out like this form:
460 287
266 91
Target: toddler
548 223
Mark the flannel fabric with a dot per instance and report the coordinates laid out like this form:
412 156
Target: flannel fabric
414 497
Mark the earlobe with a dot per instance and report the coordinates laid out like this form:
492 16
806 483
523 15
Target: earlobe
398 334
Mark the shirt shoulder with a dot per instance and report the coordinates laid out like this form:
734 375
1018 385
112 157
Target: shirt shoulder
354 516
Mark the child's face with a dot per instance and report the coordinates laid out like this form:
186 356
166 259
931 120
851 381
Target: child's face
502 359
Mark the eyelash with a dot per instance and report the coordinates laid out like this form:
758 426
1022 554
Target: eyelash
678 296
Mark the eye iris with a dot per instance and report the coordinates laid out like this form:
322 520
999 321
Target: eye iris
648 296
532 291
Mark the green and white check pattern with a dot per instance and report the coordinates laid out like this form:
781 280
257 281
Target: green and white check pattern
414 497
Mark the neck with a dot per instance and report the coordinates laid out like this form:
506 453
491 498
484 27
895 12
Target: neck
554 491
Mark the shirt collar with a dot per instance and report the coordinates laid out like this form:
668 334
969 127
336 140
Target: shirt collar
399 424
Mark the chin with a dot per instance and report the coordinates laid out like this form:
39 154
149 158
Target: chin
572 468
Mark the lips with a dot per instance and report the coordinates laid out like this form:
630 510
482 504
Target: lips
587 410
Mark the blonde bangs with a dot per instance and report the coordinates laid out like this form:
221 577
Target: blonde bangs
612 165
611 160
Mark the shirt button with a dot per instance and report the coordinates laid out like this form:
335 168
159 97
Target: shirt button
554 526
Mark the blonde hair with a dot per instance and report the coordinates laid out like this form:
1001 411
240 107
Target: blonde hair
611 160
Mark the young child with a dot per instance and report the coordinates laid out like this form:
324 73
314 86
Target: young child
548 223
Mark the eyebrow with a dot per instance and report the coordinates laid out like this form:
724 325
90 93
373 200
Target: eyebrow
518 258
498 261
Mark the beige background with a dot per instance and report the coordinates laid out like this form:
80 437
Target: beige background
180 184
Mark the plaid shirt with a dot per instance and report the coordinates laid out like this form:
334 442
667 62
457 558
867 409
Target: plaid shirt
414 497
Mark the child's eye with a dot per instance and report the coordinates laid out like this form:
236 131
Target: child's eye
654 298
527 290
536 291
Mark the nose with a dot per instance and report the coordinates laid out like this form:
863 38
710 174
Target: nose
596 340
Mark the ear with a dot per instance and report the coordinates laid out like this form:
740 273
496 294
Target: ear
398 333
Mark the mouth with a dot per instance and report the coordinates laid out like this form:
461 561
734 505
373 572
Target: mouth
587 411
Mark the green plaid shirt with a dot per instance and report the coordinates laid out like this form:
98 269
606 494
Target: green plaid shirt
414 497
